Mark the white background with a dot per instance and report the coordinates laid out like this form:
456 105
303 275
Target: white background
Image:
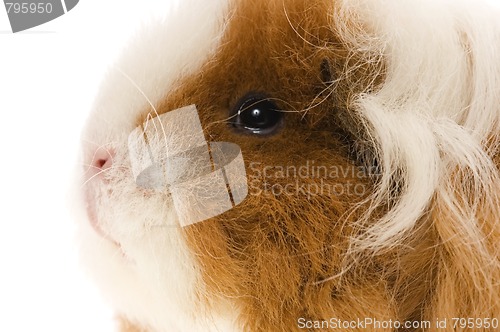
48 77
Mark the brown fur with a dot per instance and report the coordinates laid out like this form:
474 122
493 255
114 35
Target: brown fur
275 255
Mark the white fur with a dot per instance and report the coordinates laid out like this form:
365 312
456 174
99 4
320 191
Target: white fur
439 104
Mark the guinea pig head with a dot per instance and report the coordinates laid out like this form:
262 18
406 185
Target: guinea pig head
329 226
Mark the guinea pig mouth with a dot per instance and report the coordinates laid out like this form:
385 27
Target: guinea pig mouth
92 216
94 222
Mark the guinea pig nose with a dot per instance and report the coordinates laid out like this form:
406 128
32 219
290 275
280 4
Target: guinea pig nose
102 159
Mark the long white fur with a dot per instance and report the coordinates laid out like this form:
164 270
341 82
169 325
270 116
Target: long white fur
438 105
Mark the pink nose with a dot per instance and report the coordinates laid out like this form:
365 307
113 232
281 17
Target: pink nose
101 160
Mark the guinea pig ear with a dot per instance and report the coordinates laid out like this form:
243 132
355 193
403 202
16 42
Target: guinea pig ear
326 72
326 78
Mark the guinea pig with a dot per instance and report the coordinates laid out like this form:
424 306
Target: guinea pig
369 134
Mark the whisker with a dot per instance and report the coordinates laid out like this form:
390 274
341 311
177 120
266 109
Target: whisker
231 117
101 172
93 176
137 87
295 29
312 105
150 103
99 146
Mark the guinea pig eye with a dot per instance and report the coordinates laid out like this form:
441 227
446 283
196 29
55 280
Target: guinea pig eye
257 115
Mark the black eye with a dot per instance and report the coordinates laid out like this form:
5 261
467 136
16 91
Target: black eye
257 115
